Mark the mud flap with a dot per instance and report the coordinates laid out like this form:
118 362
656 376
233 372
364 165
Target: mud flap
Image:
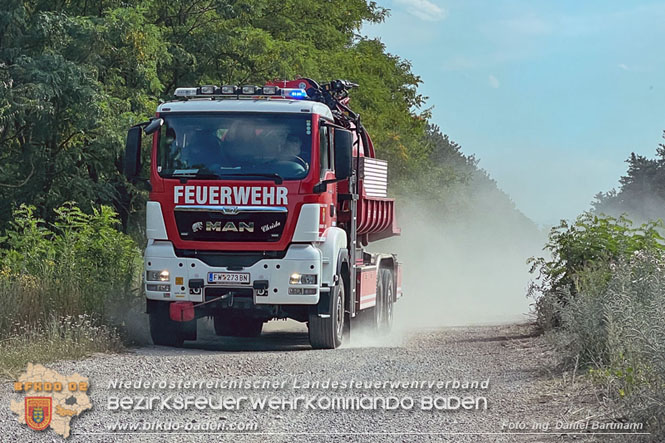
183 313
323 307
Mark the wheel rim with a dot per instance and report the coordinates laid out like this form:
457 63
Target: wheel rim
339 310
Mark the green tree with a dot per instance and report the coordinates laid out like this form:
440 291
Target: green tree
642 190
74 76
591 241
70 86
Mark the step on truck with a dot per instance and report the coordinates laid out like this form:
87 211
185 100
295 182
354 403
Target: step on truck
262 201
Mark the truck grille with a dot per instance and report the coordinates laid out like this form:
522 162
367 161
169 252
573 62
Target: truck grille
230 224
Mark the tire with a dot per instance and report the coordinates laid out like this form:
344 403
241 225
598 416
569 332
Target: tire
223 325
328 333
230 326
387 301
249 327
163 330
383 311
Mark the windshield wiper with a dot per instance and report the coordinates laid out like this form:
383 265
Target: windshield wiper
273 175
185 174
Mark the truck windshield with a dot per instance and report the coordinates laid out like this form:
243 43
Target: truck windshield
231 145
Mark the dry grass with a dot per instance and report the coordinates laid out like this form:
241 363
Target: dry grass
56 339
64 287
615 328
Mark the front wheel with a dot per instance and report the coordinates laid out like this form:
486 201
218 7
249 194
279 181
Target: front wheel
223 325
249 327
163 330
327 332
230 326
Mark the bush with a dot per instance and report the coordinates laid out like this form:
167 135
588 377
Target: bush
79 266
616 328
602 303
591 239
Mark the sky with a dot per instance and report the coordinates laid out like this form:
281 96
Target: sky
552 96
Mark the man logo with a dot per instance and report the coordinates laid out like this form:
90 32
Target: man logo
196 227
38 412
229 226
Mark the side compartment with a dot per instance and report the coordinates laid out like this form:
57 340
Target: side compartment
366 279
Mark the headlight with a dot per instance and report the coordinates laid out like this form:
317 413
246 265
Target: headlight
157 275
302 279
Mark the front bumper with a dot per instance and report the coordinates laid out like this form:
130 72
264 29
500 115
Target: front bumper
299 258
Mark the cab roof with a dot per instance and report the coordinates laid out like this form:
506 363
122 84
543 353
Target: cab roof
246 105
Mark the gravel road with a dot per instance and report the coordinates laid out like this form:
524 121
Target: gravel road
524 389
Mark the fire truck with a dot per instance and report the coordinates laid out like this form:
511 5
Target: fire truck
262 202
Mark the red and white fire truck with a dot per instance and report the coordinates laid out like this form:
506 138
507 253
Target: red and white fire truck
262 201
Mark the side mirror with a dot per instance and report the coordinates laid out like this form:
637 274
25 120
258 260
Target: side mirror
343 153
132 161
153 126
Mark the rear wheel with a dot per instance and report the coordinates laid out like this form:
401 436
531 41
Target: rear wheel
383 311
388 301
163 330
327 332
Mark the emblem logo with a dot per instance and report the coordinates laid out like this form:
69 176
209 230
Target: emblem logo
38 412
229 226
230 210
196 227
49 399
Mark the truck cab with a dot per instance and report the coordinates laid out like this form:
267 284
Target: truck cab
252 215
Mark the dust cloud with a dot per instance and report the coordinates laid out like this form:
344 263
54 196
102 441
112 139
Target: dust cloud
131 321
465 268
463 265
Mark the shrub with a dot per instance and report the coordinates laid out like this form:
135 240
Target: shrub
616 328
81 265
602 302
591 241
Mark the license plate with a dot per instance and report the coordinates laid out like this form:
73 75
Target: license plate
225 278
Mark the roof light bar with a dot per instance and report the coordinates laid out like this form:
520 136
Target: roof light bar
270 90
229 89
296 94
250 90
208 89
185 92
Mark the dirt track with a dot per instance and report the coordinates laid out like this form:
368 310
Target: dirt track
521 388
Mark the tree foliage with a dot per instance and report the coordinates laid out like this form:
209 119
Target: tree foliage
591 241
75 75
642 190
